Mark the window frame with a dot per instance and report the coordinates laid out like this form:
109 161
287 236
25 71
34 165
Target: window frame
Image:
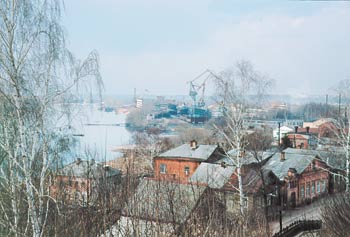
187 170
162 168
324 186
302 192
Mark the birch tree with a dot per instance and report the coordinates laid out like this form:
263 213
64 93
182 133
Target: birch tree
340 128
238 89
38 77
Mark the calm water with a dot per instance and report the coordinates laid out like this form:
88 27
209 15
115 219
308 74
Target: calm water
100 135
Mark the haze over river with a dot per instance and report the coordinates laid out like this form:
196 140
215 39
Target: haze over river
99 131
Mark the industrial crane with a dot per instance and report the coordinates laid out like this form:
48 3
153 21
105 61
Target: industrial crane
195 89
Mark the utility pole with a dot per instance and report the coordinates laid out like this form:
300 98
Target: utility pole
327 105
281 206
339 105
279 135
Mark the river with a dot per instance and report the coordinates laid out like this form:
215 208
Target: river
97 132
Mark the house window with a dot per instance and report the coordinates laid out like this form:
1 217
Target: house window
308 189
324 186
302 192
245 202
76 197
313 187
187 171
318 186
313 165
163 168
269 201
84 197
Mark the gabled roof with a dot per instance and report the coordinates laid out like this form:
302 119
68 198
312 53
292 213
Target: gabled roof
163 201
294 158
252 181
213 175
87 169
202 152
319 122
247 159
334 157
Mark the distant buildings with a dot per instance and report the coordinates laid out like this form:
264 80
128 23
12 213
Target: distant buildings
283 131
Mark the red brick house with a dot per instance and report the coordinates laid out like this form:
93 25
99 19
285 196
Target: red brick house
181 162
324 127
304 174
78 182
300 141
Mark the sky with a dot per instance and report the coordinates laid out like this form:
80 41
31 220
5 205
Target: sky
156 46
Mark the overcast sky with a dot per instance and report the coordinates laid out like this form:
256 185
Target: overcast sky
157 46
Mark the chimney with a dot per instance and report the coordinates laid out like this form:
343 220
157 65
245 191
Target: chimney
223 164
193 144
296 129
307 129
78 161
242 153
283 156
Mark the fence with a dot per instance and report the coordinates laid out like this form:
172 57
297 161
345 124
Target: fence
298 227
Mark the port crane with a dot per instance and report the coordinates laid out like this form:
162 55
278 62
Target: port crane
196 88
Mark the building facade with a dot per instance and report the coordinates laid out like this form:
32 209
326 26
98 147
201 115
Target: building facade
180 163
304 176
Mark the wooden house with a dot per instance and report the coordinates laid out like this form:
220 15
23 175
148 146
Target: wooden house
256 182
